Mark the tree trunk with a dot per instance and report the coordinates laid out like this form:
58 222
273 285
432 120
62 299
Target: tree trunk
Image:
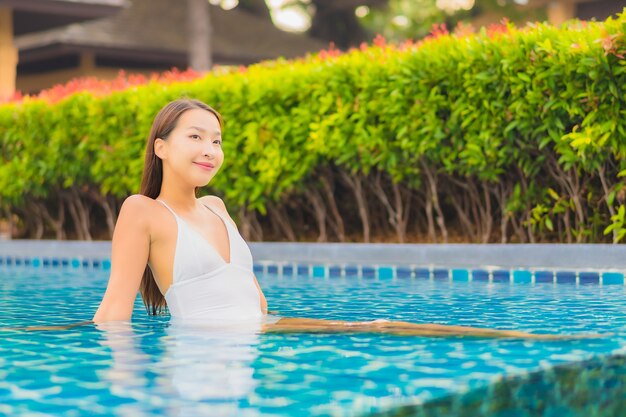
466 223
434 196
108 205
430 219
319 212
57 224
280 220
35 221
396 211
337 223
607 191
79 213
356 184
199 33
249 226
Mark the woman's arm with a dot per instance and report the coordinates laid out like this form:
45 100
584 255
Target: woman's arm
129 256
263 300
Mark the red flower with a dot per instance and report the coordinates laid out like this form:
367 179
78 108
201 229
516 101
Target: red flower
439 30
498 28
380 41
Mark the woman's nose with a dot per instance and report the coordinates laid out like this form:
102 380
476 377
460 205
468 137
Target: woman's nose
209 148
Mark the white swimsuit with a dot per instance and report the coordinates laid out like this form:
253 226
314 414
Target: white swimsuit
204 286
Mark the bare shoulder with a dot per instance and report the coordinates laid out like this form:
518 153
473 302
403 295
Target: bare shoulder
139 208
137 203
217 204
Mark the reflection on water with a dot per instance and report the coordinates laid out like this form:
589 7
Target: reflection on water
153 368
595 387
202 368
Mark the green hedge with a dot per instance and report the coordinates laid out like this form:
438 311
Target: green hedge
504 135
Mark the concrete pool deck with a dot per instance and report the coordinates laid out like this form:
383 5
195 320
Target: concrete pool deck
570 256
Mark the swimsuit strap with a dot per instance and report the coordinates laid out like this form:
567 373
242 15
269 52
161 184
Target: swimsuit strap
218 214
168 207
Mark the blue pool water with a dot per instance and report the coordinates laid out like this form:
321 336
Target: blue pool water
152 368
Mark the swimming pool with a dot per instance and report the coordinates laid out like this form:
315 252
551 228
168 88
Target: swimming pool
152 368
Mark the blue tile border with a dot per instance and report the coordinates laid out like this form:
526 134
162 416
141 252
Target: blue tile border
319 271
460 275
441 274
501 275
422 273
544 276
403 272
480 275
385 272
351 271
612 278
589 277
566 277
522 276
380 272
334 271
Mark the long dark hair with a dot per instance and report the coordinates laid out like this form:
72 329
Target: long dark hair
152 178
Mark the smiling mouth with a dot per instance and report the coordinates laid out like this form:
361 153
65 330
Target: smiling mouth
206 166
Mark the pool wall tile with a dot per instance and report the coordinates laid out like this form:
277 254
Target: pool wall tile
422 273
334 271
403 272
272 269
565 277
441 274
287 270
351 271
544 276
303 270
319 271
368 271
522 276
480 275
460 275
385 272
612 278
589 278
501 275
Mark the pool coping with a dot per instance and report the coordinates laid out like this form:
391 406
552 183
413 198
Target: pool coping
540 263
559 256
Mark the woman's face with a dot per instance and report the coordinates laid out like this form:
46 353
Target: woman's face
193 150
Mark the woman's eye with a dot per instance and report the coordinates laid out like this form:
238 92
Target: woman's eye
219 142
195 137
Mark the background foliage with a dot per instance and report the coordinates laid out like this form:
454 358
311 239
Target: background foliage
503 135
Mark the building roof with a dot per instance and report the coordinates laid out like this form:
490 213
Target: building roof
37 15
156 31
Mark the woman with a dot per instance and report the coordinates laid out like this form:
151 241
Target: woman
185 252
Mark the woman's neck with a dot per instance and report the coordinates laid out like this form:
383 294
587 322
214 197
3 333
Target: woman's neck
180 197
